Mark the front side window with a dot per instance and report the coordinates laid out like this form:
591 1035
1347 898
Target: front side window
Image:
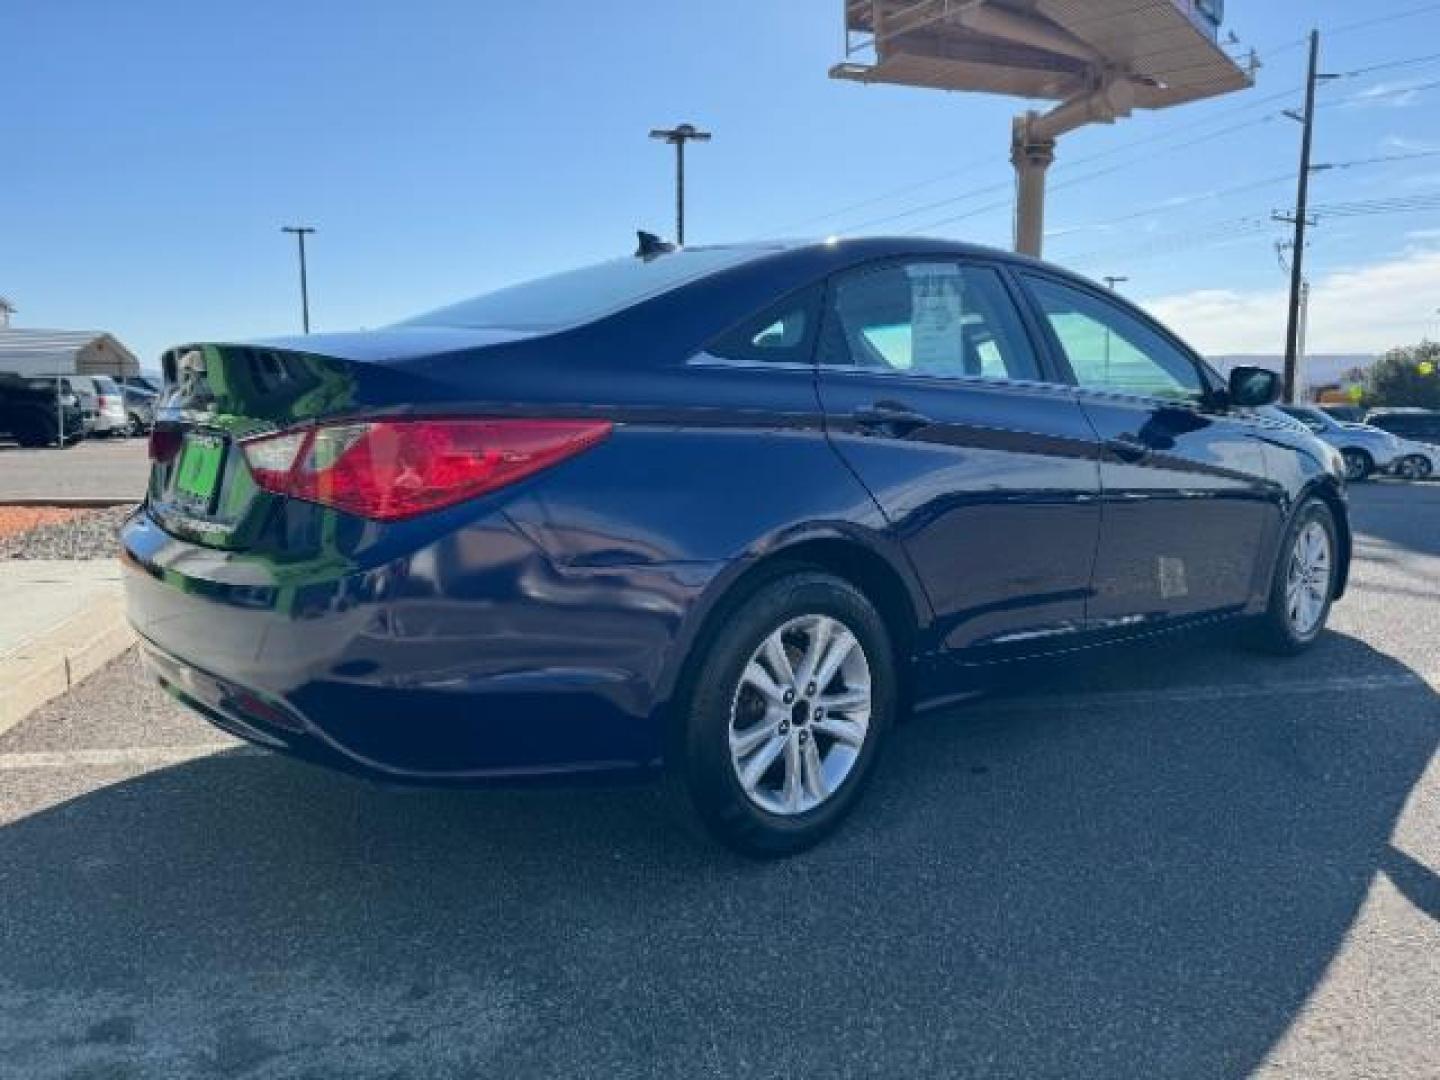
931 318
1110 349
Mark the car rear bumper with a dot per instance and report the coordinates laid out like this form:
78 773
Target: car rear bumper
472 658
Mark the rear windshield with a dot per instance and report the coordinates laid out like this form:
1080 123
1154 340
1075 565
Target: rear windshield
578 296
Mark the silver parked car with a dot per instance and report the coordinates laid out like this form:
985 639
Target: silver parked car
1365 449
139 409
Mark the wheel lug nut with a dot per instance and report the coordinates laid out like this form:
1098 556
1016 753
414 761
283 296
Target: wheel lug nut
789 697
810 690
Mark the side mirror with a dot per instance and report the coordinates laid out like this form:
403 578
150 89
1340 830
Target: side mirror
1252 387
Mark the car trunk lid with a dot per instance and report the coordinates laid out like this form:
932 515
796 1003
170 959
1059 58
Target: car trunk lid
218 395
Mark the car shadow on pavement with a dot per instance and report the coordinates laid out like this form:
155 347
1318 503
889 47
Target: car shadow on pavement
1062 884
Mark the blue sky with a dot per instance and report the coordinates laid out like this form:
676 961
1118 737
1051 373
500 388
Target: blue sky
153 149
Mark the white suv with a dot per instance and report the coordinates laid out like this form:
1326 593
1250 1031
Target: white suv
1365 449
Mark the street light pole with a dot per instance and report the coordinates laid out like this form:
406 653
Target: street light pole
301 231
678 136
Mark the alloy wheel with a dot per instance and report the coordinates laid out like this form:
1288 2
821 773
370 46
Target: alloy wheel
1355 465
800 715
1307 586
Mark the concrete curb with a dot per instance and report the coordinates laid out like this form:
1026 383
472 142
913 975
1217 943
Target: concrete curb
49 665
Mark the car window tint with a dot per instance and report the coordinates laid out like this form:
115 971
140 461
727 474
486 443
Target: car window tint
780 334
786 332
934 318
1110 349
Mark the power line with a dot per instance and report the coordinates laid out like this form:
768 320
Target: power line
1390 65
1173 204
1345 28
1087 177
1384 160
1126 148
1231 229
1379 92
1378 20
1170 133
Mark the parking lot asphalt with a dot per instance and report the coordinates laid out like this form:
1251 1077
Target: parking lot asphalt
111 468
1176 859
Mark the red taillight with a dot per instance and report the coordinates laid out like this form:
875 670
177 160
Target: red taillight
393 469
164 444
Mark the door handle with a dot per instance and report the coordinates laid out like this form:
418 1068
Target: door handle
1128 448
888 418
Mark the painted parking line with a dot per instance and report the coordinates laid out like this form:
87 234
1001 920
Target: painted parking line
135 756
1185 695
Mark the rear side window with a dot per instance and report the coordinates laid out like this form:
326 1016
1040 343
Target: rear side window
1110 349
783 333
933 318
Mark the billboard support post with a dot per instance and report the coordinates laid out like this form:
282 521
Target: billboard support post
1097 60
1032 159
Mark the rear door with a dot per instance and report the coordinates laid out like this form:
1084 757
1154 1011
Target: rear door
936 396
1188 509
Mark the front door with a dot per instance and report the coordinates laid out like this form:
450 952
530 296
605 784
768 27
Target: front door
1187 504
937 397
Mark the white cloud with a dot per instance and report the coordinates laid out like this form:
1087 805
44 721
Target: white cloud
1385 95
1363 310
1402 142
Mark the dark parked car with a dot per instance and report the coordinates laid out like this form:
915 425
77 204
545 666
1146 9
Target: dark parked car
39 411
722 511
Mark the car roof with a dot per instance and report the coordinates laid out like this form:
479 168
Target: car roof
845 250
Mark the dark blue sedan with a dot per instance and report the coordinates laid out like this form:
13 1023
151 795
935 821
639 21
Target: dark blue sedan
723 512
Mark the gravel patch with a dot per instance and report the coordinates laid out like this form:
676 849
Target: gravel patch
19 519
88 535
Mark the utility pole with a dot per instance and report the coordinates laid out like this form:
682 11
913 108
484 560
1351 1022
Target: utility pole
1112 280
1302 207
301 231
677 137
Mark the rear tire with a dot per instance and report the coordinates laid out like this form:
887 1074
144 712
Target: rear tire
770 759
1358 465
1413 467
1303 584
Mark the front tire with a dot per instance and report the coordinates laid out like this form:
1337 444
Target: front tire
1303 585
790 707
